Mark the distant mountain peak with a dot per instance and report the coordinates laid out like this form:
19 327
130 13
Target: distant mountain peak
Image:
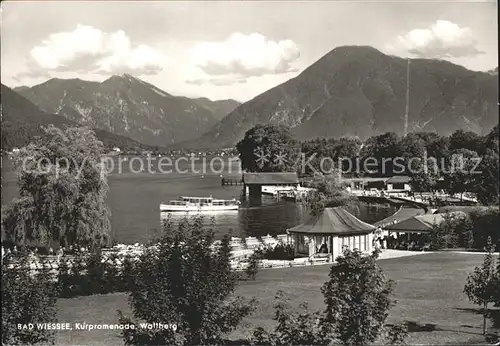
360 91
129 77
364 48
23 121
359 50
120 77
128 106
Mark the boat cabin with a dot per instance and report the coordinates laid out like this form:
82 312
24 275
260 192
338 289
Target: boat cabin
197 200
222 202
185 203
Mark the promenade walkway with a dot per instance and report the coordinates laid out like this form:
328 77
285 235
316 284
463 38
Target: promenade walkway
304 262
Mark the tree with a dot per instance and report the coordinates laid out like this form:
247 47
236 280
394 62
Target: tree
461 172
268 148
487 187
383 148
480 287
186 281
422 169
348 147
424 179
357 298
491 140
26 298
485 225
329 193
496 294
93 281
325 154
465 140
253 263
427 137
439 148
412 145
62 190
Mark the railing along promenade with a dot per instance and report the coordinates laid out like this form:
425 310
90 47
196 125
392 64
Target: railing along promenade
241 249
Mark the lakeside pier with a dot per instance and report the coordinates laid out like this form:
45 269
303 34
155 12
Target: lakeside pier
232 182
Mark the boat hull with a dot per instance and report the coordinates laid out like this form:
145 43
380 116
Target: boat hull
185 208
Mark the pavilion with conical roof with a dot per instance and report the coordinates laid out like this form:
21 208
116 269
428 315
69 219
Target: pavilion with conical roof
330 232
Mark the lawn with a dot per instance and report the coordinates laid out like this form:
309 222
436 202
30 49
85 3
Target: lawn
428 292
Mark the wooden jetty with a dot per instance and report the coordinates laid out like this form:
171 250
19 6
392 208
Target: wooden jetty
232 181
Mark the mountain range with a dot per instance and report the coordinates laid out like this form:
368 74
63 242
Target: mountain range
22 121
359 91
351 91
127 106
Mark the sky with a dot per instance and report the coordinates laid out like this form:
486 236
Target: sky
230 50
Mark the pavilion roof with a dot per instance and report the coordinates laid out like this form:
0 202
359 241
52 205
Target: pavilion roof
334 221
418 223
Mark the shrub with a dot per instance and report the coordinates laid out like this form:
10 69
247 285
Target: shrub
26 298
467 230
454 231
188 282
127 272
253 265
302 328
484 224
93 280
113 281
357 302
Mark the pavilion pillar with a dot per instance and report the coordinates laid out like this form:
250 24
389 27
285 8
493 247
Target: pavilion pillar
335 247
312 245
370 242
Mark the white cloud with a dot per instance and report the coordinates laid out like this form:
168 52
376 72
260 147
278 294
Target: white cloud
244 56
87 49
443 39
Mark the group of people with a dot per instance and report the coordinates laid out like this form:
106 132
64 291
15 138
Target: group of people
380 242
416 242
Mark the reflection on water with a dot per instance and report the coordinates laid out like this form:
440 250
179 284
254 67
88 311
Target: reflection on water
134 200
271 218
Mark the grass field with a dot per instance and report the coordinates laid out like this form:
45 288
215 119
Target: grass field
428 290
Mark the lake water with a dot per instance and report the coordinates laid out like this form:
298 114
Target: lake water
134 200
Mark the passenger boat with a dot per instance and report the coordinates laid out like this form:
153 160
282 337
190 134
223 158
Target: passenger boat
200 204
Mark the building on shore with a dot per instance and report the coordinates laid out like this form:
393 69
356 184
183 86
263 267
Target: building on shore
331 232
399 183
390 185
253 182
414 232
403 213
